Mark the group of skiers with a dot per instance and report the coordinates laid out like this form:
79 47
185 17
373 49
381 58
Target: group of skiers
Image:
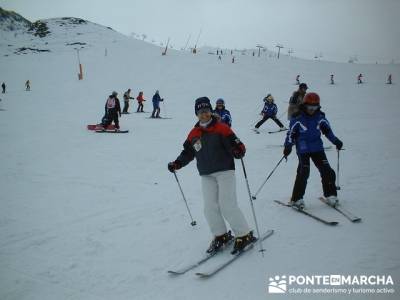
140 99
359 79
27 86
113 107
215 146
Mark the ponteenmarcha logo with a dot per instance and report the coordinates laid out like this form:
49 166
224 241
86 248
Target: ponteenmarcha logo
277 285
331 284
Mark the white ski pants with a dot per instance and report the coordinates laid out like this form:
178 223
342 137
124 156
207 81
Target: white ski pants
220 201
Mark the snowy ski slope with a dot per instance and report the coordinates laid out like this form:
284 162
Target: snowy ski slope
98 216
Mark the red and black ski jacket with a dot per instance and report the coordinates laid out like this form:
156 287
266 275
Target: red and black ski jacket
212 146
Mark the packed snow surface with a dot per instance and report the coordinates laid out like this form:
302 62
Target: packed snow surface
98 216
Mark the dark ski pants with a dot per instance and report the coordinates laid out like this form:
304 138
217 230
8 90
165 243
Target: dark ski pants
275 119
140 107
156 111
112 117
328 176
126 106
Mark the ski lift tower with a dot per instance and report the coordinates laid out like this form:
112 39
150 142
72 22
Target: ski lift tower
166 48
259 49
279 46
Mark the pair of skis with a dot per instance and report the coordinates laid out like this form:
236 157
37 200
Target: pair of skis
159 118
270 132
220 266
276 131
350 216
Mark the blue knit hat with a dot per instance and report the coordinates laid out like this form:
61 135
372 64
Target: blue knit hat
220 101
202 103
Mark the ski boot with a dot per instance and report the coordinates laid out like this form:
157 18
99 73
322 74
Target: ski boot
332 200
299 204
242 242
219 242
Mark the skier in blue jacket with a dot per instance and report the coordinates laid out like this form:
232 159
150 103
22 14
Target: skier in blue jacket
156 105
269 111
222 112
305 132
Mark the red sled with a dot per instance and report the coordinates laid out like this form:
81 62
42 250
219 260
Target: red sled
99 126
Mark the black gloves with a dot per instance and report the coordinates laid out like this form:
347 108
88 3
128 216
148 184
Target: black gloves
238 151
287 150
174 165
339 144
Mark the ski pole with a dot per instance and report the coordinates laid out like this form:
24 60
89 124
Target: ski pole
165 111
252 209
193 223
270 174
337 171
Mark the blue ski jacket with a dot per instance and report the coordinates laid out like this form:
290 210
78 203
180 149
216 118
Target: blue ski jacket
270 109
305 132
225 116
156 100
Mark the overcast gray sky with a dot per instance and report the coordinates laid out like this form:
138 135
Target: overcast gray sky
336 28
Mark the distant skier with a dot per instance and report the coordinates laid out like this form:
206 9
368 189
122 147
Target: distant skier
233 60
359 78
298 79
3 86
127 96
389 80
269 111
305 132
219 57
140 99
28 85
332 80
112 111
156 105
296 99
222 113
215 145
